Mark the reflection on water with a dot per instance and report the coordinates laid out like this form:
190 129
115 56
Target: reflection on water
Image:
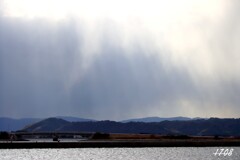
171 153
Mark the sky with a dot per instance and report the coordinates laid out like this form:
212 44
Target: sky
111 59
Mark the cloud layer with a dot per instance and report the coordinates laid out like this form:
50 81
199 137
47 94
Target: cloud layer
183 60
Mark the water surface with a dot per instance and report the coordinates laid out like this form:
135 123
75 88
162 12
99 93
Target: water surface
171 153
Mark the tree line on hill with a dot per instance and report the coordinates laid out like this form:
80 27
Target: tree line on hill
199 127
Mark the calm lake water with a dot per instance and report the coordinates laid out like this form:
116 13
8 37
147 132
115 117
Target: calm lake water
172 153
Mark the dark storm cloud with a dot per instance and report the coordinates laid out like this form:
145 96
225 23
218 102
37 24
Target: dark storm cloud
122 85
102 70
35 60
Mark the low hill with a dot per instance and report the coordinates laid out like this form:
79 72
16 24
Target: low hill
11 124
50 124
74 119
211 127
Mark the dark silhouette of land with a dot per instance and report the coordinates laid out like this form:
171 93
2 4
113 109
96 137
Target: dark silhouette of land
190 133
199 127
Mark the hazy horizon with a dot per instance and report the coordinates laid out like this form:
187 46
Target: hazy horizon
118 60
104 119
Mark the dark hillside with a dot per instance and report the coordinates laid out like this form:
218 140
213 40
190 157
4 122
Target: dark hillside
210 127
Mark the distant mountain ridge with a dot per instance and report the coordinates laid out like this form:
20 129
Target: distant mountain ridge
199 127
160 119
11 124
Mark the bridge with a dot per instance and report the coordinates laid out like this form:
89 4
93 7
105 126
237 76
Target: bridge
51 134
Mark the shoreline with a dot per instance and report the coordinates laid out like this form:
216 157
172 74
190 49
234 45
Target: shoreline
119 144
